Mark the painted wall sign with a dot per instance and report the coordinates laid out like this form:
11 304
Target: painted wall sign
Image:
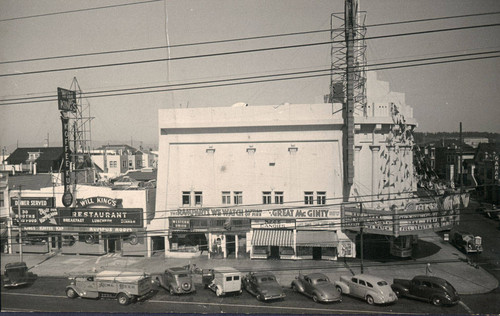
126 217
281 213
99 201
32 202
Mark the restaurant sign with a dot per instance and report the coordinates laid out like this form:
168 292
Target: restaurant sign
125 217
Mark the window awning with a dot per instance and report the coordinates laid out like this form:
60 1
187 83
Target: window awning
311 238
272 237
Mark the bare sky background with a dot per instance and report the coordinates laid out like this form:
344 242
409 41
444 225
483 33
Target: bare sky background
441 95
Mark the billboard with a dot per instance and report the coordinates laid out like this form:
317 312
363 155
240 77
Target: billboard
410 220
66 100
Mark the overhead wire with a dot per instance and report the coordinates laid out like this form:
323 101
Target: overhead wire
21 73
220 82
169 46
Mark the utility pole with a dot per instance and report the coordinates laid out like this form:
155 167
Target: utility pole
361 226
20 227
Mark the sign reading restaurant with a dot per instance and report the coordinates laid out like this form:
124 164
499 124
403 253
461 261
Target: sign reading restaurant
125 217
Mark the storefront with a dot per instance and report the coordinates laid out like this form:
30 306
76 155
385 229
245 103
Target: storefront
276 234
96 226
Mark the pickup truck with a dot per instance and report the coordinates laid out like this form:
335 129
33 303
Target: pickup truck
427 288
125 286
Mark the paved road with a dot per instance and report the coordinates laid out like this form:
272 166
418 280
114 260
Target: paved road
47 294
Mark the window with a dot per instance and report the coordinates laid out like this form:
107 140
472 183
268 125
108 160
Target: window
266 197
354 280
229 278
198 198
278 197
130 164
113 164
238 197
321 197
361 282
236 277
369 284
226 197
308 198
124 164
186 198
2 199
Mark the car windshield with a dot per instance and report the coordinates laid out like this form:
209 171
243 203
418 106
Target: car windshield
381 283
448 287
182 275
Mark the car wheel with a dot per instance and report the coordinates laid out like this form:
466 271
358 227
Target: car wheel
71 293
369 300
259 297
436 301
339 289
315 298
123 299
218 291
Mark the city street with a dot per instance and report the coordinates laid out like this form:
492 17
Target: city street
48 295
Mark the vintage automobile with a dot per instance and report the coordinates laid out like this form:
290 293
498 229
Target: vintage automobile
263 285
427 288
125 286
222 280
317 286
17 274
176 280
466 241
372 289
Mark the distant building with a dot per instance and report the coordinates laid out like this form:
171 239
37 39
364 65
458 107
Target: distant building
116 160
487 172
475 141
36 159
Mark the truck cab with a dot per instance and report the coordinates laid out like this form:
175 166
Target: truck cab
466 241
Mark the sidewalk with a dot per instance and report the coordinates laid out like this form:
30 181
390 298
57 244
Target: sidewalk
447 263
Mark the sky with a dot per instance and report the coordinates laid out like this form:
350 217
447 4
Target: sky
441 95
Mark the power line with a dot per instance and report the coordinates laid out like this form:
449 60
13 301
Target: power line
232 40
76 10
228 82
238 51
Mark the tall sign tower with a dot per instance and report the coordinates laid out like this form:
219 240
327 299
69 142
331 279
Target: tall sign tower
76 132
348 77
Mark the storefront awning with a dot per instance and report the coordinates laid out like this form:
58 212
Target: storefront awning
317 239
272 237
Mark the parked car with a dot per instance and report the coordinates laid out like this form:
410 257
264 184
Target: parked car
317 286
427 288
222 280
176 280
466 241
372 289
17 274
263 285
125 286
